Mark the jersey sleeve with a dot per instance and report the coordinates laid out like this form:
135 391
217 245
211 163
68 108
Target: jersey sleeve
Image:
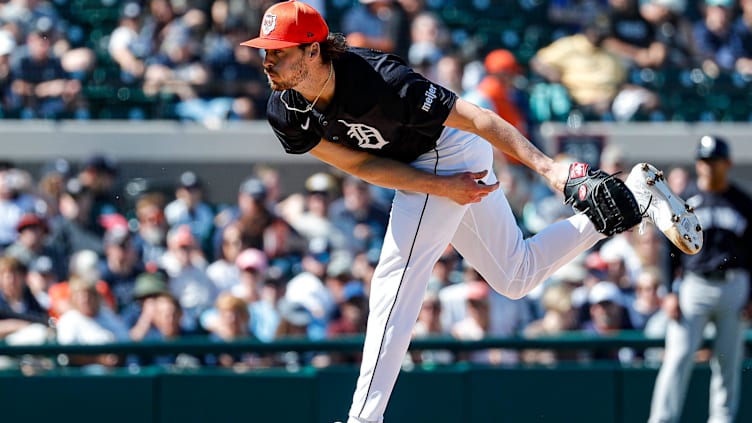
288 131
427 104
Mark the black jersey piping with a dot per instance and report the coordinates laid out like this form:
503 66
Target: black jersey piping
399 287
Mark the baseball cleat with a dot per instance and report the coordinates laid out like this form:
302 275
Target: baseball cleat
674 217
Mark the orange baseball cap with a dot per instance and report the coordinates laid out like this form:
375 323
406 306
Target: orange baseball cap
289 24
500 60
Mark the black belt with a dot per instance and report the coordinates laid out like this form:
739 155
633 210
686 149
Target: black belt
715 274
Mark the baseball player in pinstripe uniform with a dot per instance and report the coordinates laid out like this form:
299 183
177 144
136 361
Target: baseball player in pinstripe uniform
714 288
370 115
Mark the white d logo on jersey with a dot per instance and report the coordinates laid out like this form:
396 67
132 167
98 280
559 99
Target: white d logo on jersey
270 22
367 136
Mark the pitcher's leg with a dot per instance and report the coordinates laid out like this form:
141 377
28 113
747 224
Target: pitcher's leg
490 240
420 228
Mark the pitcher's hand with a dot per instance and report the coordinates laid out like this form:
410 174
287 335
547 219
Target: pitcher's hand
466 187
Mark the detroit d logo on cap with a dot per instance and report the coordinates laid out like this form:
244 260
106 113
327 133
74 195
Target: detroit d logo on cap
270 22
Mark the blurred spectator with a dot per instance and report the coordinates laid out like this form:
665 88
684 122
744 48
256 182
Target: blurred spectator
251 205
14 202
362 220
308 289
630 253
233 321
190 208
151 235
264 318
239 85
177 68
126 47
453 298
98 175
501 86
649 291
608 316
40 278
264 230
189 283
353 312
353 315
614 162
427 326
7 45
272 180
428 39
448 72
41 87
672 29
545 205
19 310
73 230
162 314
593 77
52 178
678 179
363 267
295 323
308 214
743 39
67 38
88 322
446 271
631 37
31 242
476 324
559 317
713 35
121 265
377 24
572 16
223 271
83 266
140 314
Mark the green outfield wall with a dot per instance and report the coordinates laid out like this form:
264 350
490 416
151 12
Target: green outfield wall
597 393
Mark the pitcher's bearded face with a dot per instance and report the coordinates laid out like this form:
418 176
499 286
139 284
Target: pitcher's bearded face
284 68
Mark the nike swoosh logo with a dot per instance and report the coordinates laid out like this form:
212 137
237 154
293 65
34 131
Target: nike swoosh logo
305 125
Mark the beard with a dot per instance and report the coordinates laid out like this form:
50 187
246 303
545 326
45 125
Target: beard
298 72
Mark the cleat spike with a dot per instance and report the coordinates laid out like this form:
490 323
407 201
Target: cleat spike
664 208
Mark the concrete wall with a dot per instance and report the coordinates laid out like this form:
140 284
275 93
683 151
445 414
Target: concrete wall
161 150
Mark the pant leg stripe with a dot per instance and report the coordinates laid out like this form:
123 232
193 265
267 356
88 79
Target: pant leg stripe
396 297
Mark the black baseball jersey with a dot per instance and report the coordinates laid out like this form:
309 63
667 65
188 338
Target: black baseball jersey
380 105
727 235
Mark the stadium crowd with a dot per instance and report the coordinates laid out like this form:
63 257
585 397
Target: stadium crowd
271 266
599 59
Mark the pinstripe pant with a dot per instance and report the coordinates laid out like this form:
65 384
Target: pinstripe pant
702 301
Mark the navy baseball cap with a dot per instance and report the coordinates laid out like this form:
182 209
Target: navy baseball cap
712 147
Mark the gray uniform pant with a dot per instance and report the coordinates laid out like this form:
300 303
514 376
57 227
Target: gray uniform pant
702 301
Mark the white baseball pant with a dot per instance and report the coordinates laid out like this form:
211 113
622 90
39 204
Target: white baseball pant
487 236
